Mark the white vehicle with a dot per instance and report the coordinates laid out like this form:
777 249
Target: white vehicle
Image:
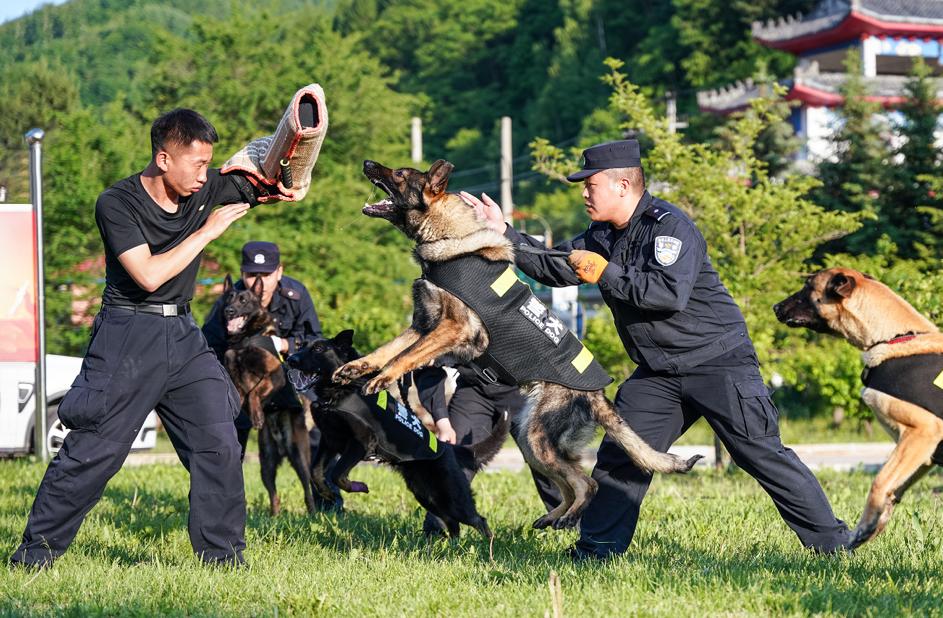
18 404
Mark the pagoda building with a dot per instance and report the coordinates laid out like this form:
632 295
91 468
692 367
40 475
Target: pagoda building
888 34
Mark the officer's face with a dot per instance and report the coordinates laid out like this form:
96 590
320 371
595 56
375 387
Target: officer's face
269 283
185 167
603 198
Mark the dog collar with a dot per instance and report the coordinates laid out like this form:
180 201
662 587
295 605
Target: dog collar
896 339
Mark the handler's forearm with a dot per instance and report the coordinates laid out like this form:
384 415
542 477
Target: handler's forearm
152 271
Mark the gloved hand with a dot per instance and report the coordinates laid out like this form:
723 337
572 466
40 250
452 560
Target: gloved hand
587 265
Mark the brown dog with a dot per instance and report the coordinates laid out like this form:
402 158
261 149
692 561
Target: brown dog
903 356
559 420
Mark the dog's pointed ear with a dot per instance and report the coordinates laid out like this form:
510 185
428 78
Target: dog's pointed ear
439 176
227 283
345 338
258 286
840 286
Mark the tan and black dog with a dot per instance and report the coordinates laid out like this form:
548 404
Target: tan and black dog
903 377
254 365
558 420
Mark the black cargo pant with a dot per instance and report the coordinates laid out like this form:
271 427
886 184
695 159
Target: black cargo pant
735 402
475 409
135 363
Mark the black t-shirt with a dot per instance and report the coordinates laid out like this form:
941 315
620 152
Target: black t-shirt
128 217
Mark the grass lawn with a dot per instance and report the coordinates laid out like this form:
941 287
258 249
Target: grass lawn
708 544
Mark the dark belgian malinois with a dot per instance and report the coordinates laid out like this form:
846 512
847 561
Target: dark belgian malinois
559 420
903 357
256 370
358 426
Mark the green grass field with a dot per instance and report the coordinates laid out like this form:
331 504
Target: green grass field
708 544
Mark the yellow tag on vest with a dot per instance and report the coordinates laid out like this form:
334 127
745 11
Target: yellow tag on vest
433 443
939 381
503 283
381 400
582 360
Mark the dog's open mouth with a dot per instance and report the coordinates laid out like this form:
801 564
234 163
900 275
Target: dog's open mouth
235 325
384 207
301 381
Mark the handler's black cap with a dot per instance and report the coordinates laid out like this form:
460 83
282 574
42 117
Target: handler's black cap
611 155
259 256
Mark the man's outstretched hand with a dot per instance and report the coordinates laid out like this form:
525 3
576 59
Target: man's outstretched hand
486 209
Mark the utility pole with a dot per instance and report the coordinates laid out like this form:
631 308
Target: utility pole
416 135
672 112
507 169
34 137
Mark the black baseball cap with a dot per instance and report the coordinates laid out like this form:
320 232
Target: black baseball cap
611 155
259 256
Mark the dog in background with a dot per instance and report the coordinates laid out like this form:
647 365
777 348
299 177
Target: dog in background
558 421
256 369
356 426
903 376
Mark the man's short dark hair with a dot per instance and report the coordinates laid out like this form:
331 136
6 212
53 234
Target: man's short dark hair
182 127
635 176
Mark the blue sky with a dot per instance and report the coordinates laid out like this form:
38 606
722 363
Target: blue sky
11 9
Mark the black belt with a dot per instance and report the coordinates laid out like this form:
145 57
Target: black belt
164 310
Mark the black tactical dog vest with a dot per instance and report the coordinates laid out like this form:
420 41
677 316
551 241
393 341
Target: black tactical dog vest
399 433
527 343
915 379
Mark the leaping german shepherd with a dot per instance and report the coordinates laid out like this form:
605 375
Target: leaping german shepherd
559 421
903 357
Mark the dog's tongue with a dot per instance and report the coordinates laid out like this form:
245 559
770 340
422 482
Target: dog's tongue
235 325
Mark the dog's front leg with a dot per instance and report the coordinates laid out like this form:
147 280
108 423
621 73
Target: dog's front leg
920 434
445 337
371 363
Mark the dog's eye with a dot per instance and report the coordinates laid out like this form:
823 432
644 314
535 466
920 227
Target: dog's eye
398 175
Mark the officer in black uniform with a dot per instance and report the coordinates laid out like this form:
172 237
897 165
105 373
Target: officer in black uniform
679 323
296 322
146 351
469 417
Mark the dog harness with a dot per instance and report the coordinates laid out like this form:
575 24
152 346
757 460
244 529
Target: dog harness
398 431
527 343
916 379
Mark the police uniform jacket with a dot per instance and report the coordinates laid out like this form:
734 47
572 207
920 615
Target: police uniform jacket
291 308
670 308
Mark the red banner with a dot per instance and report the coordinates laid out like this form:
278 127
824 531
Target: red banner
18 336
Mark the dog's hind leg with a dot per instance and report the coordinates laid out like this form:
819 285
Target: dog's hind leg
319 482
269 460
584 489
920 434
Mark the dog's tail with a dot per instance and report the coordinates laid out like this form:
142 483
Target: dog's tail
643 455
476 456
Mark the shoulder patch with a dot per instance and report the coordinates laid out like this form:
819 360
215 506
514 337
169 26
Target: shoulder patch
667 250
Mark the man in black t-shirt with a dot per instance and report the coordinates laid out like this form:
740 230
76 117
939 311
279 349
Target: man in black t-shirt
146 352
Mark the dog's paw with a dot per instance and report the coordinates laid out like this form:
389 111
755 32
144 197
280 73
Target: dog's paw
380 383
543 522
346 374
567 521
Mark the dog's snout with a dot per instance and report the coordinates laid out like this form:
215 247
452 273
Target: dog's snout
369 165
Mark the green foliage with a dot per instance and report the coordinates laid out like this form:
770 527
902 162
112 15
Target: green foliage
760 230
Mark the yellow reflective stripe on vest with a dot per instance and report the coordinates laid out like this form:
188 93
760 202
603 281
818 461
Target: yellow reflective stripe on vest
582 360
939 381
381 400
433 443
503 283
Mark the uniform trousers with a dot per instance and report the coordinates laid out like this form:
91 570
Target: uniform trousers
736 403
137 362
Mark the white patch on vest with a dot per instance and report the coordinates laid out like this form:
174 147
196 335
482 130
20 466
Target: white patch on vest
667 250
549 324
259 258
408 419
